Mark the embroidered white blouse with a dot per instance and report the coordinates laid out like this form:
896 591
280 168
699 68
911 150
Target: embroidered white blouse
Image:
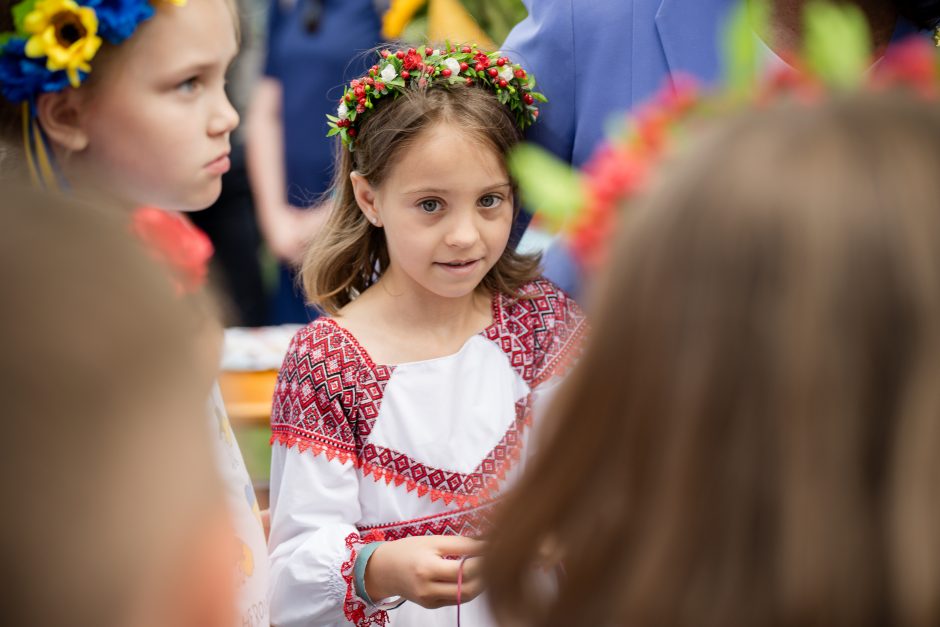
365 452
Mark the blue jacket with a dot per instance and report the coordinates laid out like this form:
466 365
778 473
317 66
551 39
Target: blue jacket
594 58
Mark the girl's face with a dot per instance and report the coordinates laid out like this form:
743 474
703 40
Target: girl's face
157 124
446 209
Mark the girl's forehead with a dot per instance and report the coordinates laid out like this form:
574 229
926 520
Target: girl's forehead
447 157
448 145
201 32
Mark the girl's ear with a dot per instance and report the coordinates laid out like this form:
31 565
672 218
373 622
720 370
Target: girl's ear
59 115
365 198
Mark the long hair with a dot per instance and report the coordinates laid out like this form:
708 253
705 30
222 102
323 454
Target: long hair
349 254
753 436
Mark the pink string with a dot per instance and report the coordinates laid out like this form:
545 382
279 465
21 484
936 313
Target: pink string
459 586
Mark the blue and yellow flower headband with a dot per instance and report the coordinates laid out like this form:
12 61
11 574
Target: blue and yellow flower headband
51 47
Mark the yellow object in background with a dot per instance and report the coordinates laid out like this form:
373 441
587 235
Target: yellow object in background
448 20
399 13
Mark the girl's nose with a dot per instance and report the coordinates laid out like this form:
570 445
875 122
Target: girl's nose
225 119
462 231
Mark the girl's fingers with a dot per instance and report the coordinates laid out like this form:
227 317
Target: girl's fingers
471 590
437 594
472 567
459 546
448 570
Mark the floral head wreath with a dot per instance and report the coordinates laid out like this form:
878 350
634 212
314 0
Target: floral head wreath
51 47
586 206
417 68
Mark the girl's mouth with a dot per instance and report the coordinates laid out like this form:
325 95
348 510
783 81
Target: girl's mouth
460 266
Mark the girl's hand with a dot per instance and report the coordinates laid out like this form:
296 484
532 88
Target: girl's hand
416 568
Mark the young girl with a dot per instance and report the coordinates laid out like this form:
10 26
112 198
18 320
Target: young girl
398 419
759 423
127 100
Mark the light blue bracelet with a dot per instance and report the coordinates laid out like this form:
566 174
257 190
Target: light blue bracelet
359 570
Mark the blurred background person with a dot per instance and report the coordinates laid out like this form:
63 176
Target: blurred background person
752 437
313 48
116 516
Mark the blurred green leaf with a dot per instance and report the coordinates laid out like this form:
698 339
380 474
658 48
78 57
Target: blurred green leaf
837 43
740 46
549 185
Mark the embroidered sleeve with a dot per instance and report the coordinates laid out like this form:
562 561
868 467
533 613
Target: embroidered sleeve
315 396
557 326
315 486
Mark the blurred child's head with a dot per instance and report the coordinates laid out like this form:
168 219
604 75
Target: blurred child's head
752 437
150 123
114 514
424 197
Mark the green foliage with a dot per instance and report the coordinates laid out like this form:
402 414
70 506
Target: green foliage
496 17
741 49
20 11
837 43
548 184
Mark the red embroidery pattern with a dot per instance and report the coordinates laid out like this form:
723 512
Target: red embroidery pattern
540 333
471 523
327 396
355 608
329 392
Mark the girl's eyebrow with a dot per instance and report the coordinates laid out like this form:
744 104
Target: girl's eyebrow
437 190
200 66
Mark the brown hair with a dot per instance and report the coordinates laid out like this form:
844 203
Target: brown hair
105 460
349 254
753 437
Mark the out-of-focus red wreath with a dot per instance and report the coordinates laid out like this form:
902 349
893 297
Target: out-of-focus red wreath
587 206
173 240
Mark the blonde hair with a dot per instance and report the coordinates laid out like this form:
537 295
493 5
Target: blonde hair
349 254
105 459
754 437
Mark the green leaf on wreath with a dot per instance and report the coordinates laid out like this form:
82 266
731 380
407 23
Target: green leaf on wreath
837 43
741 48
548 184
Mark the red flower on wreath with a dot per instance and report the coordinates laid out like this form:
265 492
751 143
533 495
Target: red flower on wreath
173 240
411 60
912 63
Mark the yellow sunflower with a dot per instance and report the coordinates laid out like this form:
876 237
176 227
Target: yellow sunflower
65 33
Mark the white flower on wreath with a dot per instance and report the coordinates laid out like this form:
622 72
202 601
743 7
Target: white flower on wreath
388 73
453 65
342 112
506 73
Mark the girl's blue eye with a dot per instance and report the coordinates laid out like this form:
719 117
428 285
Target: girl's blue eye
189 85
430 205
490 201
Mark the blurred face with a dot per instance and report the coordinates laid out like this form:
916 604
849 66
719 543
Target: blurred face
446 210
158 122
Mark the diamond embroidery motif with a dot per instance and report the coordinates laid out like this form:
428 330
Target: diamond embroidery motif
329 395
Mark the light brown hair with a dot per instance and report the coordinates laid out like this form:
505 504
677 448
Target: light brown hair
349 254
753 436
105 459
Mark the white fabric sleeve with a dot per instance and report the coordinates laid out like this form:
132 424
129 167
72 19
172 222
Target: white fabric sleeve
313 541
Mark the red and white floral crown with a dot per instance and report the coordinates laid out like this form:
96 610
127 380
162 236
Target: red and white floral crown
418 68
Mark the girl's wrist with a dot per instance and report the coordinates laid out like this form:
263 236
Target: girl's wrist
374 583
